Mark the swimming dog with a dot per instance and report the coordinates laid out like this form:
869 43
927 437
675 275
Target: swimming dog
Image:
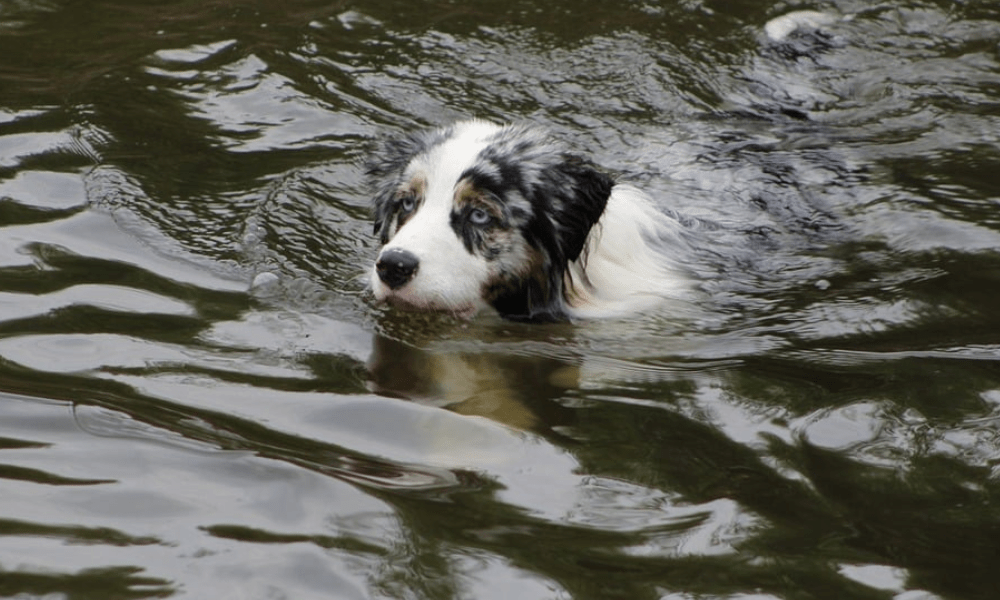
478 215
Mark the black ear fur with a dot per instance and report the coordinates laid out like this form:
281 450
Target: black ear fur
581 194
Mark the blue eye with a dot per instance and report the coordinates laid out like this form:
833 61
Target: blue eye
478 216
407 203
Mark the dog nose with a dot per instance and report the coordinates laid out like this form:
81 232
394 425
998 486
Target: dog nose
396 267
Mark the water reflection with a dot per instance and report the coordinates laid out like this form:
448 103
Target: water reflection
518 391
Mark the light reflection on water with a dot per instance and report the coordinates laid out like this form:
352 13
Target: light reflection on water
825 425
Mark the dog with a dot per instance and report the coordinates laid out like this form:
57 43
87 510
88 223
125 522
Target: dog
477 216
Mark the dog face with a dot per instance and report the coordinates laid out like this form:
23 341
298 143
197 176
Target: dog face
478 215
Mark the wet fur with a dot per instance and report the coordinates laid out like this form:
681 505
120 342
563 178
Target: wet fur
508 217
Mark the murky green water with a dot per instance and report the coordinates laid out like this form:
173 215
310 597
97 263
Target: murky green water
827 427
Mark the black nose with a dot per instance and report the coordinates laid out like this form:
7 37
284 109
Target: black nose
395 267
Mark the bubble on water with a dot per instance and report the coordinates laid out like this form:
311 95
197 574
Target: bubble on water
264 282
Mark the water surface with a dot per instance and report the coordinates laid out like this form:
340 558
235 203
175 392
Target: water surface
826 425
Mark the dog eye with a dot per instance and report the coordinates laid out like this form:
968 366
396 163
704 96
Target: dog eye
407 203
478 216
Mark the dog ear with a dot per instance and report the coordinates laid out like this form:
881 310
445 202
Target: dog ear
579 195
384 168
571 196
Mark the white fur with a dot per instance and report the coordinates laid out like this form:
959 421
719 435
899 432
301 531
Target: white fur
620 272
779 28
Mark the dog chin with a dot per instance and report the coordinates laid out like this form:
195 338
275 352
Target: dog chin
401 301
463 312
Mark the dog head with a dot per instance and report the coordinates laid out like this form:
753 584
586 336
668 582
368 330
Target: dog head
476 215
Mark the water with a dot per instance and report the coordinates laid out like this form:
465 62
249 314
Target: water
198 400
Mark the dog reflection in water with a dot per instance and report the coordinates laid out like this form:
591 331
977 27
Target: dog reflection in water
517 391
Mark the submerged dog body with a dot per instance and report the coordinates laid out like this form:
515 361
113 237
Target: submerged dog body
478 215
